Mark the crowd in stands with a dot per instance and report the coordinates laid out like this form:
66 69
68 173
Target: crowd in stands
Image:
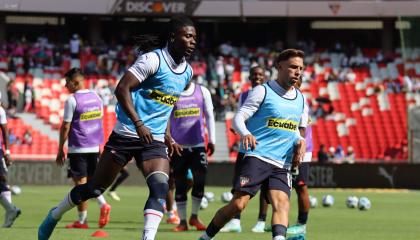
224 71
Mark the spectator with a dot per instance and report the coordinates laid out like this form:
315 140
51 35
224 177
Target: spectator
75 46
322 154
350 156
339 154
27 137
28 96
13 139
12 97
331 157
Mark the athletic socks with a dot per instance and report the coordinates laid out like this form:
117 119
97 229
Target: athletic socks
152 220
212 230
302 218
101 200
182 210
262 217
195 206
7 195
278 231
5 202
65 205
82 217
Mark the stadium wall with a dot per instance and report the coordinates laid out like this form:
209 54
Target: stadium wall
322 176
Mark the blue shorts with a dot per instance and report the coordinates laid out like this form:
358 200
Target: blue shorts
126 148
252 173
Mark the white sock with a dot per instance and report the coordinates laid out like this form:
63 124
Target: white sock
152 220
205 236
182 210
174 206
101 200
7 195
82 217
279 238
65 205
4 201
195 206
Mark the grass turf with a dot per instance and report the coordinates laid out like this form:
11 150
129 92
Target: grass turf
394 215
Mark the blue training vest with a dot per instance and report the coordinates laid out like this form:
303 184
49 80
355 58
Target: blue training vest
156 97
276 127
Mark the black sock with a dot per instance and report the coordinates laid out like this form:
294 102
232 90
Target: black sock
262 217
278 230
212 229
303 217
238 216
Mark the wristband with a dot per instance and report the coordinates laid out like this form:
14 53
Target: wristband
7 152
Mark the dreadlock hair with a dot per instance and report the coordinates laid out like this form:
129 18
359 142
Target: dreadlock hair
149 42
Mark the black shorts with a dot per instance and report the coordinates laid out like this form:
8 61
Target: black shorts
252 173
192 158
3 166
82 164
301 179
126 148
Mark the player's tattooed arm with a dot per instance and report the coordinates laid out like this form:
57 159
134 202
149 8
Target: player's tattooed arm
123 93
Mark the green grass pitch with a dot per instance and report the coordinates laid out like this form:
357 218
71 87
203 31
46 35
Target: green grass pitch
394 215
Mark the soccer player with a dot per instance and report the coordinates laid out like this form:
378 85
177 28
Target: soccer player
300 180
257 77
82 126
191 114
272 144
146 95
12 212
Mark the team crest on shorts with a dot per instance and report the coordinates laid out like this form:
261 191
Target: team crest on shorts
243 180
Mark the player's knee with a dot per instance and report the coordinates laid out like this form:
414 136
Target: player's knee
81 193
280 205
158 187
3 186
239 205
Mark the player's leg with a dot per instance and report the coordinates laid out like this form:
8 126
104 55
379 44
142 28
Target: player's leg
124 174
180 169
108 167
262 213
279 185
247 181
234 225
198 165
81 208
156 172
299 183
12 212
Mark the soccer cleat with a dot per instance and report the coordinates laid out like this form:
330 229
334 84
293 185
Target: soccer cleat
114 196
47 227
296 237
298 229
195 222
10 217
173 218
104 217
77 224
259 227
231 226
180 228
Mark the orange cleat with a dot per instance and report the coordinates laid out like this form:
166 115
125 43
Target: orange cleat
173 218
195 222
77 224
104 217
180 228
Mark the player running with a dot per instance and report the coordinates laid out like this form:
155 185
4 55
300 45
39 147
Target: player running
12 212
257 77
192 113
146 95
268 124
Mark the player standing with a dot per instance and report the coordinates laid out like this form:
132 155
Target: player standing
273 146
12 212
146 95
82 126
192 113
